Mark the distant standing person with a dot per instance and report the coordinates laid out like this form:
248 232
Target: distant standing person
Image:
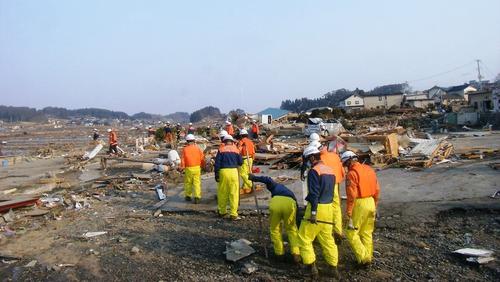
247 152
151 131
95 136
229 128
178 130
168 133
255 129
192 161
113 142
191 129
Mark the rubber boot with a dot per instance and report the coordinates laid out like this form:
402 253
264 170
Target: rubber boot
187 198
196 200
312 271
296 259
334 272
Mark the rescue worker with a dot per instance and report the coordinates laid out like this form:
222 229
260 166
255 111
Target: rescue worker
222 134
168 133
192 161
95 136
247 152
227 161
178 130
332 160
113 142
151 131
318 217
282 211
255 130
191 129
313 139
362 190
229 128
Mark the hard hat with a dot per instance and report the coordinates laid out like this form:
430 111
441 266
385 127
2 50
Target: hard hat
178 124
109 130
168 122
316 144
313 137
243 132
222 133
190 137
310 150
190 123
228 138
254 121
228 122
347 155
95 129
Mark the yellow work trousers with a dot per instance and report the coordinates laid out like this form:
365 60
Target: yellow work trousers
229 187
360 238
192 181
282 211
337 211
308 232
244 170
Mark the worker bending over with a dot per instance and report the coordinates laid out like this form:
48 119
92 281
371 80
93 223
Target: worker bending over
318 217
227 161
113 142
247 152
191 162
282 211
362 190
255 130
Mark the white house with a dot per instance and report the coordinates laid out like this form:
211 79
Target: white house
462 90
353 102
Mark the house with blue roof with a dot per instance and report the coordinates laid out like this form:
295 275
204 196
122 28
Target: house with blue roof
269 115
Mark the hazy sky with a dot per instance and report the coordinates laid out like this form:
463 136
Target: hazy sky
165 56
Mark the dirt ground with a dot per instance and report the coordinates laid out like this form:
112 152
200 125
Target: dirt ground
423 217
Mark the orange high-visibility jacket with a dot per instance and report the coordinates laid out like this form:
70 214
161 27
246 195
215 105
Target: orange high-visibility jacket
230 129
332 160
192 156
255 128
246 145
361 183
113 138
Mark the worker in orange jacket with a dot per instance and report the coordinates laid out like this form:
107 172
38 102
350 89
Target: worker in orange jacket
169 137
247 152
363 191
332 160
229 128
255 130
192 161
113 142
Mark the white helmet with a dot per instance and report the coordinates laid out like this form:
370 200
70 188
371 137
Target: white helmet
310 150
313 137
347 155
190 123
316 144
243 132
228 138
222 134
109 130
95 129
190 137
178 124
228 122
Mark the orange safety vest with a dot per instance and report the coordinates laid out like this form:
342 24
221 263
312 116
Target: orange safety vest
246 145
333 160
255 128
230 129
367 184
192 156
113 138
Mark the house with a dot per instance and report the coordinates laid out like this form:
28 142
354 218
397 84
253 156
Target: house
269 115
418 100
495 96
436 93
353 102
462 90
385 101
482 101
449 99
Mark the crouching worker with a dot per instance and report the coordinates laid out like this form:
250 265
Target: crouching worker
362 191
318 218
282 211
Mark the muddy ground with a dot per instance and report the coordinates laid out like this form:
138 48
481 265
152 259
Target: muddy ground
423 217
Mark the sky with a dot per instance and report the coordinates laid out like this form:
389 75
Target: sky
167 56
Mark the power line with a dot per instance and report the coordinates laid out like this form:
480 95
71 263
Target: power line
443 73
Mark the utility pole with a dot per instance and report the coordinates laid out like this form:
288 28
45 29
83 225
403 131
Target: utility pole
479 72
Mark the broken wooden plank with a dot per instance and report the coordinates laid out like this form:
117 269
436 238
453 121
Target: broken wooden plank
17 203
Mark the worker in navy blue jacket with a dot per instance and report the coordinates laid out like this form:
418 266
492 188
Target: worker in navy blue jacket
227 161
282 210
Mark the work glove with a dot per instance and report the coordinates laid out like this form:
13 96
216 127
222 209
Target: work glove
312 218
